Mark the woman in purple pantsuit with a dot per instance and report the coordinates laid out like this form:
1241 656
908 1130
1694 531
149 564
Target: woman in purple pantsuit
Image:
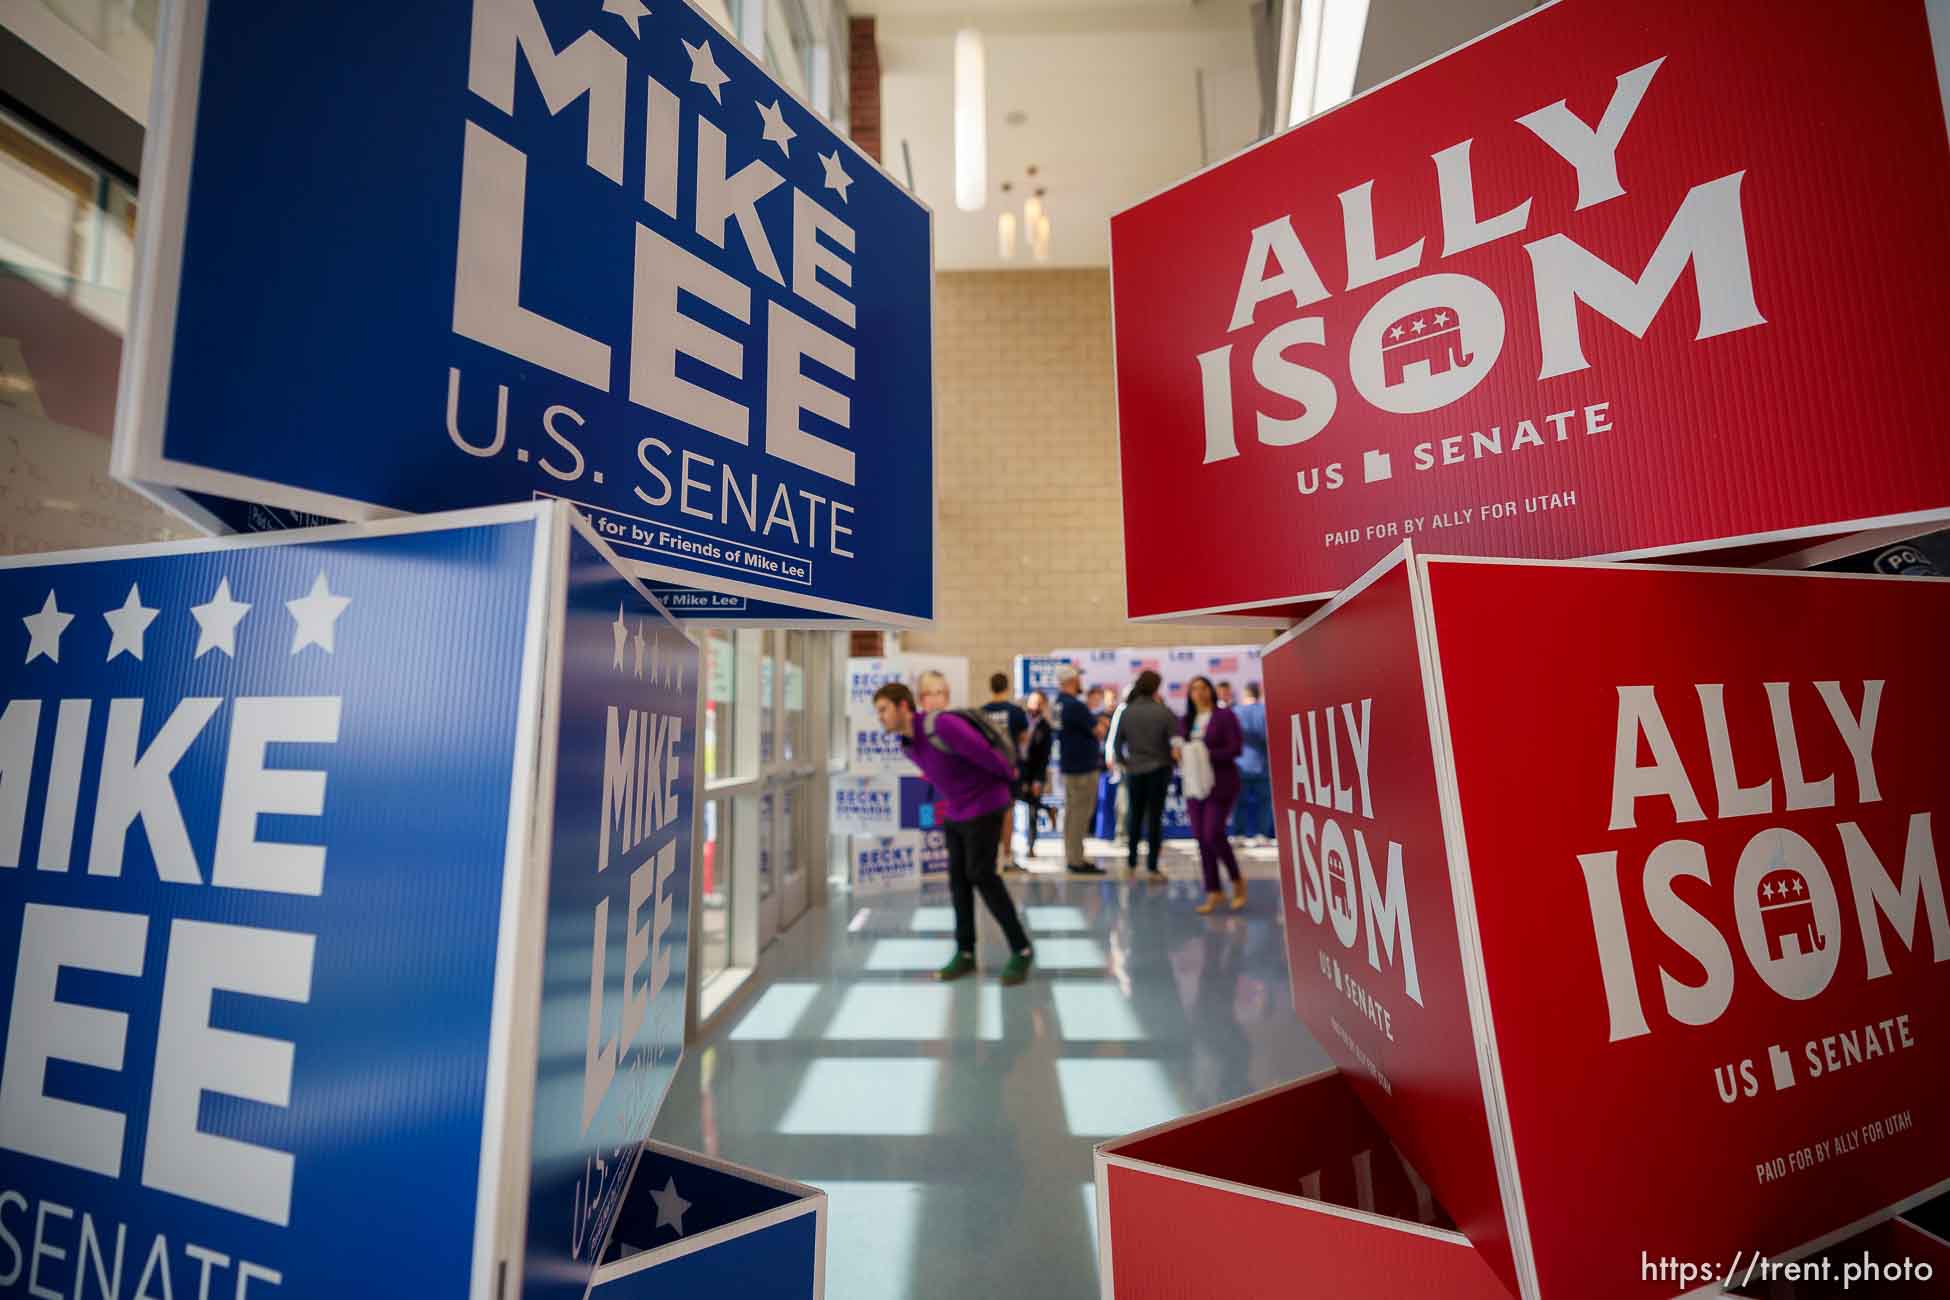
1207 721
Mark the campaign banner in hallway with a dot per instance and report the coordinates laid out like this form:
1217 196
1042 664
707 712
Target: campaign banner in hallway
1671 894
291 831
879 863
864 805
1593 285
594 252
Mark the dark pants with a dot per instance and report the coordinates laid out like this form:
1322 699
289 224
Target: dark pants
1208 818
1145 793
1036 811
971 867
1254 815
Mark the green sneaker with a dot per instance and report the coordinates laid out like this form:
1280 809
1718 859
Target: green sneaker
959 965
1018 968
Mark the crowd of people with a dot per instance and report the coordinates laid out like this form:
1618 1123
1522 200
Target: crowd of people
1127 748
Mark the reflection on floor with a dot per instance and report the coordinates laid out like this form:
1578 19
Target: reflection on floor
952 1125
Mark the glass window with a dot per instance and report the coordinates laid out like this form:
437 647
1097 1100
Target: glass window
50 198
720 718
765 845
66 227
793 819
716 865
796 740
838 723
767 657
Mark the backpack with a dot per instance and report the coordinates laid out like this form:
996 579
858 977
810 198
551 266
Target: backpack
980 721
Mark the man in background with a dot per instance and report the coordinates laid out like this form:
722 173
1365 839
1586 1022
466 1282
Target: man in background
1010 721
1080 758
1252 819
1225 695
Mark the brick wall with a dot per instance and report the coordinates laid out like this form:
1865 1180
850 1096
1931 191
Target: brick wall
1032 538
863 86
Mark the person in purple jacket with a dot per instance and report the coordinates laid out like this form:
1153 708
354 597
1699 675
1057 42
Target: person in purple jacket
1211 722
974 787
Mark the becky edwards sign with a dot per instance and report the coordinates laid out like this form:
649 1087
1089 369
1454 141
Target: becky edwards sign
411 257
1599 284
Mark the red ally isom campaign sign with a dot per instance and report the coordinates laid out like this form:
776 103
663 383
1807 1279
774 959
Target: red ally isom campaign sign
1627 922
1613 280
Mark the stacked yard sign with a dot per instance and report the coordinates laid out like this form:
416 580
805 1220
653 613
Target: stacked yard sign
385 994
1614 890
1598 285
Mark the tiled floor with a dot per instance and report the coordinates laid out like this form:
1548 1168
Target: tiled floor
952 1125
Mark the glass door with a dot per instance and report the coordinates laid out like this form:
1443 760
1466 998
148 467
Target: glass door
799 762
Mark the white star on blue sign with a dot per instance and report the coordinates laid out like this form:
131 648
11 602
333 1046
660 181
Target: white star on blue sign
316 612
44 631
836 177
704 69
128 624
217 620
670 1207
630 11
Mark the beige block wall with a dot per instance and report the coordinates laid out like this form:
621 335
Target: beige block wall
1031 534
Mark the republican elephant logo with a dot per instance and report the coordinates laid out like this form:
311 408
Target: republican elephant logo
1340 883
1432 339
1787 911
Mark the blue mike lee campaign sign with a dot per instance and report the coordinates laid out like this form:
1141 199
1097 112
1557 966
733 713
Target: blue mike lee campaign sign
344 881
413 257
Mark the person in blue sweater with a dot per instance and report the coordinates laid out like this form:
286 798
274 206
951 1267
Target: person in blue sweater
1252 818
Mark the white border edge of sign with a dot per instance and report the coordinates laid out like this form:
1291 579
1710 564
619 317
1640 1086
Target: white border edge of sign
1496 1107
1304 1204
1117 418
628 572
507 1105
1264 615
1921 1231
1111 1145
446 520
1728 570
1842 547
1352 99
604 1274
1106 1269
1403 552
822 1219
811 1200
1840 532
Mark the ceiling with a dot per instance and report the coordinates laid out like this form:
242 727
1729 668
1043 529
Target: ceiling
1109 93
